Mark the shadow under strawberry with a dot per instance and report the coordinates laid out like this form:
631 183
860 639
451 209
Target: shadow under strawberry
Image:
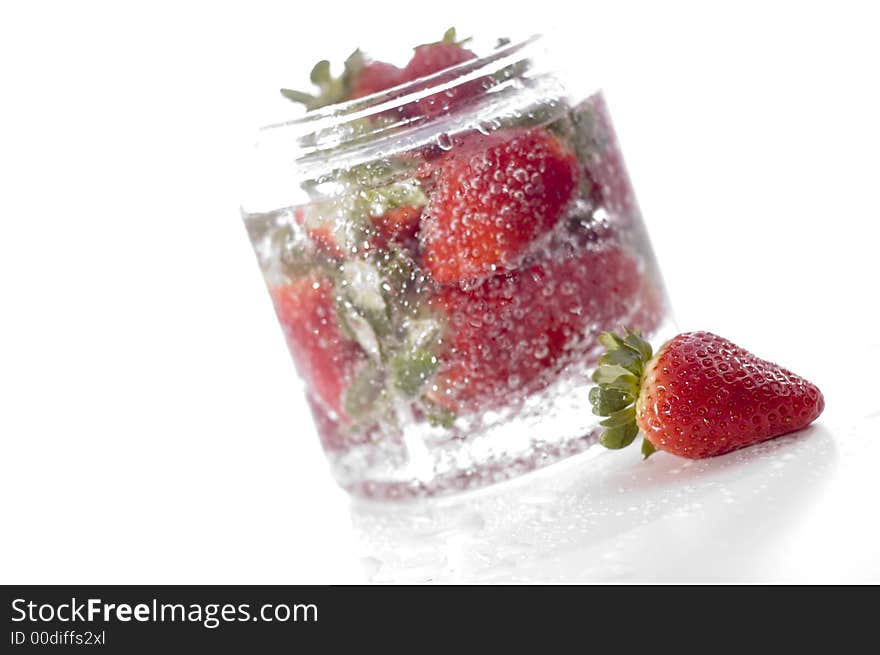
607 520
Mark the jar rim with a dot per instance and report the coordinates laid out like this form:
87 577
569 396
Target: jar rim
411 91
505 84
343 124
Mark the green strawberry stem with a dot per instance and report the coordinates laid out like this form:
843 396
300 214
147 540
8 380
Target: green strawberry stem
330 89
619 380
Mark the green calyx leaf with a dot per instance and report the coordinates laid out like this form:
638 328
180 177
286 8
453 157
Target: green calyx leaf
298 96
620 417
320 74
589 139
330 89
363 308
362 282
648 448
438 415
365 392
611 341
382 199
620 436
616 378
367 190
618 381
607 401
412 369
624 358
379 306
634 341
449 38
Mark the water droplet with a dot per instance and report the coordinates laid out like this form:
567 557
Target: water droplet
485 128
444 141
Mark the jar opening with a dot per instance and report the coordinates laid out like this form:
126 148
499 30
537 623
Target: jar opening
517 83
449 96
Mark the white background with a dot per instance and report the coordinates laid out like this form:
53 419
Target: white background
152 426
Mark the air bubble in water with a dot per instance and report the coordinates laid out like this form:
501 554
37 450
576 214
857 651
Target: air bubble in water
485 128
444 141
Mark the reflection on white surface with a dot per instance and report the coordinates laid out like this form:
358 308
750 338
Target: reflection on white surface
609 517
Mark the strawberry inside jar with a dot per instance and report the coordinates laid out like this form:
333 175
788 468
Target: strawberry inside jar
444 239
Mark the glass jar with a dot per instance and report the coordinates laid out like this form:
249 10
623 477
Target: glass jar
442 258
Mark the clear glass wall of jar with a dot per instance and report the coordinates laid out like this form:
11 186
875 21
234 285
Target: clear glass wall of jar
442 258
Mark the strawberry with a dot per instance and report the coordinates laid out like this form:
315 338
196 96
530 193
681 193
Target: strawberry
320 233
334 238
603 167
325 358
699 396
432 58
514 333
608 170
360 77
375 76
398 224
494 196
